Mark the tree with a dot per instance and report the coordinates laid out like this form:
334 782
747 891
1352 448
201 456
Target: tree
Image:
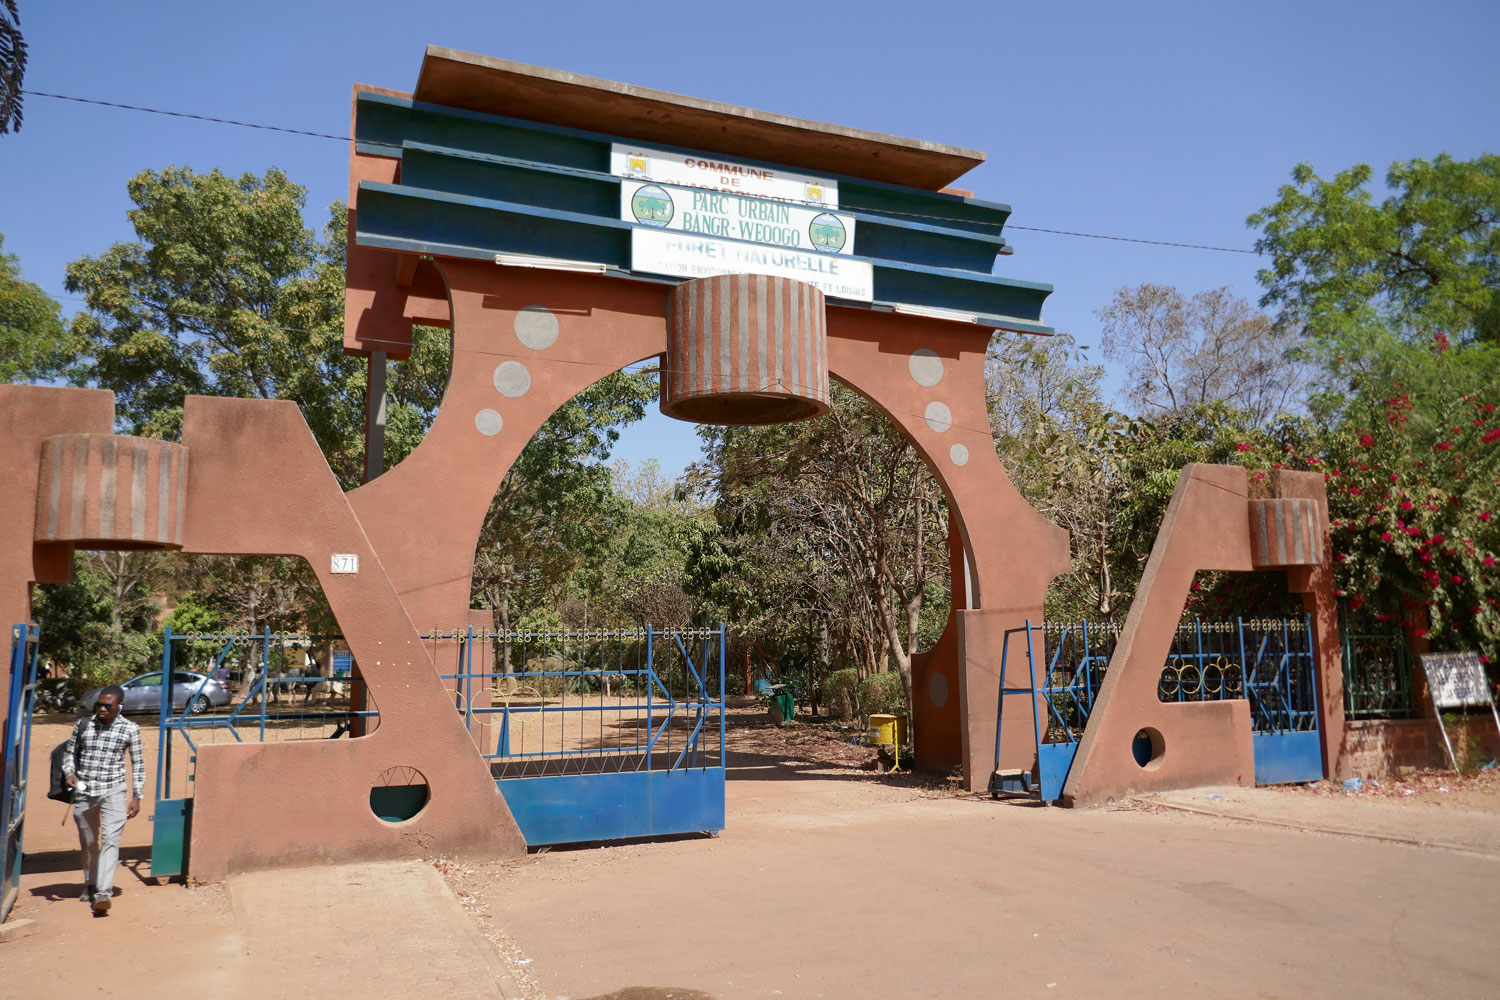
1184 352
1413 471
101 628
225 293
1424 261
33 339
556 507
12 66
837 515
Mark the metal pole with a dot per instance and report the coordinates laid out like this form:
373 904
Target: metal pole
375 416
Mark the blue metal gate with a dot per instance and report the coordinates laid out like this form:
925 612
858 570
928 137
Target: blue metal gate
599 735
1269 662
17 726
595 735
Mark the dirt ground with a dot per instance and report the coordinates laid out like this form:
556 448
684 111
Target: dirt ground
833 880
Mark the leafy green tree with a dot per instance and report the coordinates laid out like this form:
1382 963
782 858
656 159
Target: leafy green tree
33 338
833 521
1424 261
556 507
225 292
102 629
1413 471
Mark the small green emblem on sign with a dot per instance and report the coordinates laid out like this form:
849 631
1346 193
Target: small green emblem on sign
827 233
652 206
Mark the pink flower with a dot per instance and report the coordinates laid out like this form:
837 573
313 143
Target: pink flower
1366 440
1442 446
1406 505
1484 515
1488 560
1421 633
1242 446
1457 579
1382 616
1385 536
1436 540
1491 437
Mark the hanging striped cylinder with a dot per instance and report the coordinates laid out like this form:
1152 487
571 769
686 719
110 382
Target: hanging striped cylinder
745 349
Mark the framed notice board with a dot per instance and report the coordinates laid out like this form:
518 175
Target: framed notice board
1457 680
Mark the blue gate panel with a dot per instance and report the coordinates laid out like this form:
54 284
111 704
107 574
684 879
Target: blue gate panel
1281 758
1055 761
572 808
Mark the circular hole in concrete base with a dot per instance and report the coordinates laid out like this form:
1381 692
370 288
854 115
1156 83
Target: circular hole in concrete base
1147 748
399 794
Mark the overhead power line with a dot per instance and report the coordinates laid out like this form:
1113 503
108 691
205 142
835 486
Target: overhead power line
345 138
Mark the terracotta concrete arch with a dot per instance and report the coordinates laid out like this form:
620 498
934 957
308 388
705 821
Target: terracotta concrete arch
937 399
525 341
601 326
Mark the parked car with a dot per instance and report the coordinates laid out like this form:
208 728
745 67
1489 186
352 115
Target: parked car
143 693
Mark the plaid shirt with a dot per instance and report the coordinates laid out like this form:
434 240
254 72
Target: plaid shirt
101 761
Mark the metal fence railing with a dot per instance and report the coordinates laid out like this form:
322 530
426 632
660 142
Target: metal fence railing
577 702
253 687
1377 673
538 703
1267 660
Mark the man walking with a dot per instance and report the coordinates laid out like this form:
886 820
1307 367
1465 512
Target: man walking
98 744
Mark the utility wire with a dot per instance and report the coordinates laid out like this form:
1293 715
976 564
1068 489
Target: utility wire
345 138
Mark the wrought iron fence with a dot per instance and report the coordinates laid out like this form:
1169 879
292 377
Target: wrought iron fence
1207 662
1377 673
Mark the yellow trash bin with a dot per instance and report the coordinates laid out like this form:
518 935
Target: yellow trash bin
887 729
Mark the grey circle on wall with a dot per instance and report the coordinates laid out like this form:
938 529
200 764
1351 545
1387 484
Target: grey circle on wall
488 422
925 366
937 689
536 327
512 379
939 417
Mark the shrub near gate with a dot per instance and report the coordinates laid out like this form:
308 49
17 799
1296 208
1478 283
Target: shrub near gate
882 694
841 693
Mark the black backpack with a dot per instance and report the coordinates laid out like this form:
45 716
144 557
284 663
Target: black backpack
60 790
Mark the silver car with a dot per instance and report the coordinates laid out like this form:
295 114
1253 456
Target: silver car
143 693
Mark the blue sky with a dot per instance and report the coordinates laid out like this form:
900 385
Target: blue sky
1168 121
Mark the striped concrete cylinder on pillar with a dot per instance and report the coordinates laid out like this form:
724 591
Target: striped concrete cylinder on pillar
745 349
1286 532
119 492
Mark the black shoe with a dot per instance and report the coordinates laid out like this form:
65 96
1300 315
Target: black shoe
88 894
101 906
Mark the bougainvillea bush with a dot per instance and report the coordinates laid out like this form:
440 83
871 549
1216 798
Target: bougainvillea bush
1412 462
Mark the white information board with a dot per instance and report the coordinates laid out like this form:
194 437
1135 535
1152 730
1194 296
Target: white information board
737 217
662 251
718 174
1456 680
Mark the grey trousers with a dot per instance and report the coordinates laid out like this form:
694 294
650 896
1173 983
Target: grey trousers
100 821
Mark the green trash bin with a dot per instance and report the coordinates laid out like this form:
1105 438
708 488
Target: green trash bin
782 706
